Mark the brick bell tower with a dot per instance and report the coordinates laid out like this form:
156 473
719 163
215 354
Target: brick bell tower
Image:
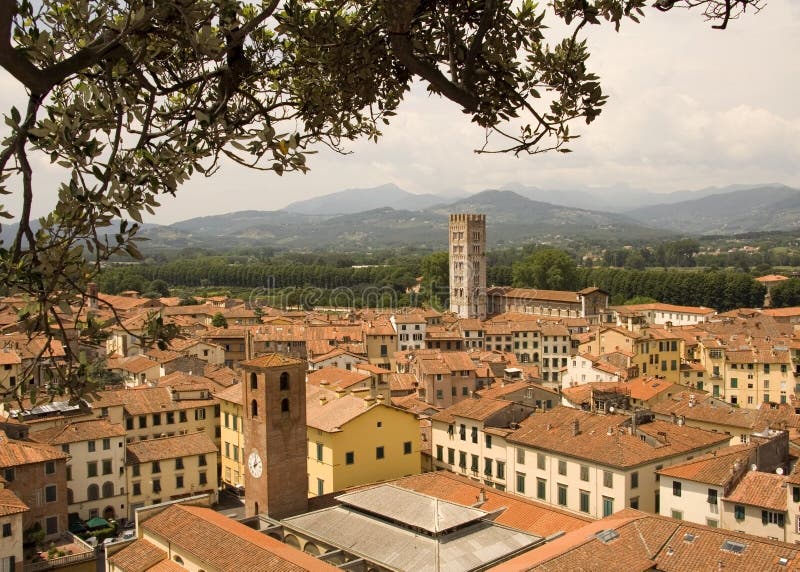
275 445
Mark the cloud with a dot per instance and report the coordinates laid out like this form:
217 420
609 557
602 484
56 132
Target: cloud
689 107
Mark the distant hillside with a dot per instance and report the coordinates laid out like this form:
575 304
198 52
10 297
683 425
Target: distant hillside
512 219
616 199
774 207
361 200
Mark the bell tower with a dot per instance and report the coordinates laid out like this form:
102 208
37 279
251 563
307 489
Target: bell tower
468 265
275 445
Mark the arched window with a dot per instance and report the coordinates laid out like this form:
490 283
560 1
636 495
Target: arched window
93 492
284 381
108 489
253 381
285 406
254 408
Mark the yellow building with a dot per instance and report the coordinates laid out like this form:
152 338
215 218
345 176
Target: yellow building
658 353
354 441
10 368
11 553
231 436
170 468
380 341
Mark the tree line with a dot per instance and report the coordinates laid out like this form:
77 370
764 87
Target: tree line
279 280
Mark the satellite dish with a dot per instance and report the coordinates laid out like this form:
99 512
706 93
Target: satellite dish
753 467
779 471
611 409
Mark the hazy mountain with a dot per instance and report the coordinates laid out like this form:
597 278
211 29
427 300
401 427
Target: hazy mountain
617 199
774 207
511 219
360 200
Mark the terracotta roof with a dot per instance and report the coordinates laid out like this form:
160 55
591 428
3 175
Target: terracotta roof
782 312
633 541
76 431
580 394
458 361
14 453
553 431
271 360
9 357
713 468
764 490
164 356
498 390
536 294
771 278
143 400
402 381
10 503
221 374
434 367
336 377
183 380
371 368
477 409
226 545
704 408
232 394
514 511
197 443
139 556
409 318
332 354
659 307
133 364
646 388
414 404
328 412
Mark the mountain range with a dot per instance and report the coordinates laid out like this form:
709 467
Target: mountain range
387 216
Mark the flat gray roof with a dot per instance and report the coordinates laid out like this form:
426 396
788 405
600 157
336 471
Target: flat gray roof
411 508
397 547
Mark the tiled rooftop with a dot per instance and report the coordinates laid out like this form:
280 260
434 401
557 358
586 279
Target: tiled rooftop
197 443
226 545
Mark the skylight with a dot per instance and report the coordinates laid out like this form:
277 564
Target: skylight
606 536
733 546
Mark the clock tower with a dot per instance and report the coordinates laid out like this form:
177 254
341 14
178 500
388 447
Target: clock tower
275 442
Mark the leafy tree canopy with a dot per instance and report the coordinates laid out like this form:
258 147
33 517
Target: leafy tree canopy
547 268
131 99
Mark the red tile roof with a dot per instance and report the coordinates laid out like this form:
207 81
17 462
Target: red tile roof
514 511
138 557
553 431
764 490
197 443
14 453
226 545
76 431
10 503
271 360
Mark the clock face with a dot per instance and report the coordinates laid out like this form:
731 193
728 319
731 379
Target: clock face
254 464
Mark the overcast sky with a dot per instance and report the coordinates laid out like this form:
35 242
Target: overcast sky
689 107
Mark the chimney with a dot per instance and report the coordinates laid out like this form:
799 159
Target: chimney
368 402
339 392
576 427
482 496
91 291
323 400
